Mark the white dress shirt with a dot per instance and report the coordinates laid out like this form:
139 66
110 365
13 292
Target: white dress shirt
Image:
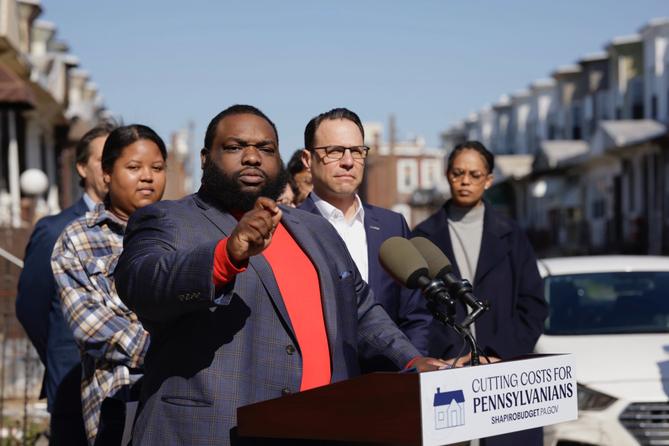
352 232
90 203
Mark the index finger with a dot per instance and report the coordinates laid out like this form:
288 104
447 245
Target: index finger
267 204
276 218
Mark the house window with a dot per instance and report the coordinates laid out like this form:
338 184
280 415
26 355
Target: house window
429 169
44 157
578 118
643 181
598 208
653 107
635 96
407 175
4 151
19 134
657 171
628 174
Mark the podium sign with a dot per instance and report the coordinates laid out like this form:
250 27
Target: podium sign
432 408
476 402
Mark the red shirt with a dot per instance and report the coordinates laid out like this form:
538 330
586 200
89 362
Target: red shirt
300 288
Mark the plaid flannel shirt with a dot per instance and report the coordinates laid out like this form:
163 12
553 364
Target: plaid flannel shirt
111 338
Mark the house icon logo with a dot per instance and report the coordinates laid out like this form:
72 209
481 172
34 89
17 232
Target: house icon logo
449 409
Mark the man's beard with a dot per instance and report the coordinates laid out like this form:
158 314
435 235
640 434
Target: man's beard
227 192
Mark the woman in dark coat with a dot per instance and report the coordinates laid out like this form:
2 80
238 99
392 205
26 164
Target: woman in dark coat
492 252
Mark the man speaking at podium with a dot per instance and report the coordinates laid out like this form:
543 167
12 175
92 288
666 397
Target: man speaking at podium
245 301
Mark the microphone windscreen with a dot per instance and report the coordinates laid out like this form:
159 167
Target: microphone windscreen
437 262
402 261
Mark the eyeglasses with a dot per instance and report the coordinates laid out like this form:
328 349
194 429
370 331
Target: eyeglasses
335 153
475 177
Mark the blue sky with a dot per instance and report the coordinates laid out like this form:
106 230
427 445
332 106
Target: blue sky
431 63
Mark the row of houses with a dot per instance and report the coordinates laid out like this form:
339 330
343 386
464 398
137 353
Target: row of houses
584 155
47 102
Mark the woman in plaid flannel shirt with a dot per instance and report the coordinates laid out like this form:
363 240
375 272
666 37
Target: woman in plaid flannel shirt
112 340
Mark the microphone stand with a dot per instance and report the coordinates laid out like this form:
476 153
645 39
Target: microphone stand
448 318
463 291
438 298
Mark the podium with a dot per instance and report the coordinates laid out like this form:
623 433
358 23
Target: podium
431 408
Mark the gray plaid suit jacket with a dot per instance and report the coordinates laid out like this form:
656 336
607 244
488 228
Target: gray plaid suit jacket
211 353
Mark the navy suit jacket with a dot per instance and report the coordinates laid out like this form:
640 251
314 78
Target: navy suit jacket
213 352
38 305
406 307
507 276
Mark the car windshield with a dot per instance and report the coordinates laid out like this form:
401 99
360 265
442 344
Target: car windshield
620 302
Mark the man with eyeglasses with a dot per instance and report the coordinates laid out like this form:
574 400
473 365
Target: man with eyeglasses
335 154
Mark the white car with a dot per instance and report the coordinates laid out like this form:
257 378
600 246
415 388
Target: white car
612 313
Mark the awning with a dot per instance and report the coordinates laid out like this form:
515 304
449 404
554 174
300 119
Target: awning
512 167
559 153
14 90
616 135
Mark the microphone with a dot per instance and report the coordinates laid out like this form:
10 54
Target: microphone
440 268
400 258
408 265
403 261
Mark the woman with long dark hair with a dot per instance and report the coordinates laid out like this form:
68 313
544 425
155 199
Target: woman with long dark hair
112 340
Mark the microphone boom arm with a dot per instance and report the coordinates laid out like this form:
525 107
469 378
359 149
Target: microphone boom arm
463 290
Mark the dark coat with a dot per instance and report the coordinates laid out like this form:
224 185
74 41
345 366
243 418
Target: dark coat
404 306
212 353
39 310
38 305
506 276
